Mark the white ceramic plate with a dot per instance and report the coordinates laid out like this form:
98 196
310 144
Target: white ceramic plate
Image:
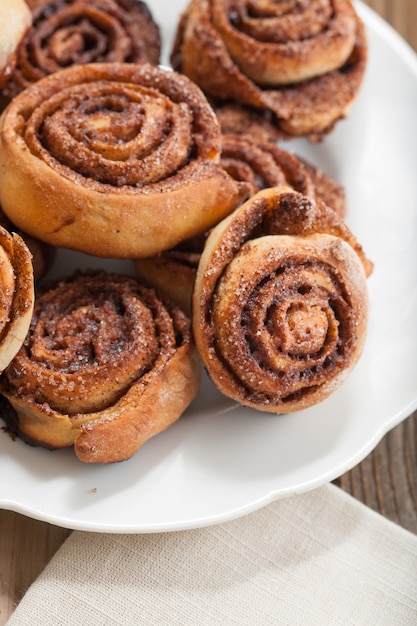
220 461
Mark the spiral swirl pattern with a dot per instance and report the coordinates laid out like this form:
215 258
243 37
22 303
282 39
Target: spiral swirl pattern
114 134
98 347
284 43
129 152
279 306
259 165
264 164
65 33
301 63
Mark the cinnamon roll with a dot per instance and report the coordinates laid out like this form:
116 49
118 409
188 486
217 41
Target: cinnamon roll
117 160
280 303
260 165
65 33
15 20
105 366
296 66
16 294
264 164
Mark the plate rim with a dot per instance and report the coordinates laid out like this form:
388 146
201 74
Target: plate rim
407 54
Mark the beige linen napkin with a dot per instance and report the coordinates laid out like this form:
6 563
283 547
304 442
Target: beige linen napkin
320 558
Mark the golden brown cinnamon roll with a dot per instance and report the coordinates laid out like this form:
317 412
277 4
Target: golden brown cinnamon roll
264 164
16 294
261 165
238 119
105 366
297 66
15 19
65 33
117 160
280 303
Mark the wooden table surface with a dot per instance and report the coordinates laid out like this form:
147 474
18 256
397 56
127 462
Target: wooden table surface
386 480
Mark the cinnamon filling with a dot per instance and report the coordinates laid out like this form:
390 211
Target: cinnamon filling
89 340
66 33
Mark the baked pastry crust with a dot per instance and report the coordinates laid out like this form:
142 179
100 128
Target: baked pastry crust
15 20
280 303
16 294
274 46
260 165
230 60
105 366
172 273
65 32
115 160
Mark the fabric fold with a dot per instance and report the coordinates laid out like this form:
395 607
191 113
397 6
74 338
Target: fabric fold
317 558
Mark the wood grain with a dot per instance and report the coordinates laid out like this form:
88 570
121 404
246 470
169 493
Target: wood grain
25 547
386 480
401 14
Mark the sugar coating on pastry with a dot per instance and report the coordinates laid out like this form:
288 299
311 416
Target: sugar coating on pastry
280 303
294 69
117 160
105 366
65 33
261 165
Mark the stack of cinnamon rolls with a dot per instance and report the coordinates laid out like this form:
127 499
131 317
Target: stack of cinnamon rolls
242 261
